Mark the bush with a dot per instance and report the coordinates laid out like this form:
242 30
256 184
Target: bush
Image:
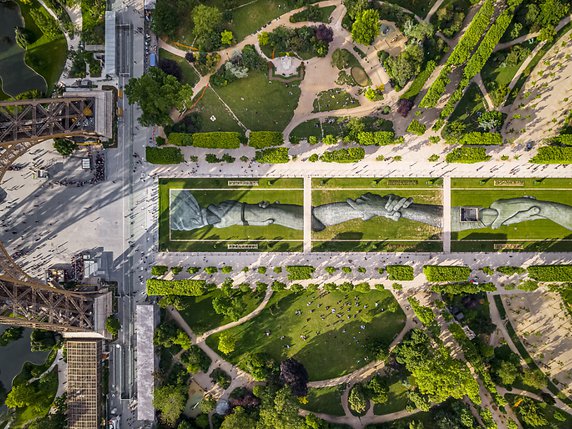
416 127
159 270
442 273
553 155
264 139
163 155
65 147
300 272
180 139
176 287
478 138
352 154
275 155
220 377
376 138
551 273
400 272
195 360
419 81
463 288
509 271
214 140
423 313
468 155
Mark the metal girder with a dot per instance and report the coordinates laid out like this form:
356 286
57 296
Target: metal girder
42 119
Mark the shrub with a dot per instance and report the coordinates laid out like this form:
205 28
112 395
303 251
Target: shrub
377 138
264 139
226 269
211 270
163 155
159 270
217 140
352 154
553 155
468 155
195 360
479 138
193 270
220 377
300 272
509 271
176 270
176 287
400 272
463 288
419 81
277 286
275 155
261 270
416 127
423 313
277 270
180 139
444 273
551 273
363 287
313 158
528 285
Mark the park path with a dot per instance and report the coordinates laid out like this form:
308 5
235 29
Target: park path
361 422
57 359
478 79
433 9
516 391
202 338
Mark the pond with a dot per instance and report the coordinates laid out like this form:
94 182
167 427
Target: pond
14 355
15 74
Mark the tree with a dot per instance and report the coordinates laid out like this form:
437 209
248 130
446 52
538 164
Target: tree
65 147
226 37
206 23
226 343
170 401
377 390
534 378
531 413
507 372
171 67
112 325
405 66
165 18
324 33
279 411
238 419
357 400
418 31
366 27
20 396
156 93
263 38
294 375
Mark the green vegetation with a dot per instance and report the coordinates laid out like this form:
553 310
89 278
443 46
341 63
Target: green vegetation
273 155
188 74
377 138
300 272
112 325
509 271
418 7
416 127
423 313
184 287
533 413
93 21
163 155
264 139
366 27
419 81
352 154
334 99
553 155
13 333
325 400
478 138
159 270
306 42
310 330
445 273
65 147
463 288
215 140
313 14
400 272
551 273
467 155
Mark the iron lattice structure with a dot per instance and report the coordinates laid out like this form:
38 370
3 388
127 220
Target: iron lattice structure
45 118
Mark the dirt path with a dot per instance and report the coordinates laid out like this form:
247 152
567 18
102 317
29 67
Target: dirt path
433 9
489 102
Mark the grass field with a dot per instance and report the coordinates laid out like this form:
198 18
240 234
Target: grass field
207 105
418 7
378 233
325 335
201 316
213 191
334 99
535 235
397 399
189 74
307 129
468 109
325 400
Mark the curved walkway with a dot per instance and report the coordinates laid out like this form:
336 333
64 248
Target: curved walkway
360 422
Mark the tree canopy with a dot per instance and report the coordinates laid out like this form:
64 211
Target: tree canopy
366 27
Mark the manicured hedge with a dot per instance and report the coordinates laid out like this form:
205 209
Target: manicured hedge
437 89
352 154
418 83
423 313
478 138
263 139
463 288
468 155
273 155
159 270
551 273
553 155
400 272
176 287
217 140
416 127
509 271
300 272
446 273
180 139
565 139
376 138
163 155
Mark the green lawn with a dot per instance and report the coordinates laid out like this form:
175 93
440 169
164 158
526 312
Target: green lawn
397 396
189 74
547 412
334 99
377 233
468 109
213 191
207 105
260 104
201 317
536 235
307 129
323 15
326 400
418 7
326 351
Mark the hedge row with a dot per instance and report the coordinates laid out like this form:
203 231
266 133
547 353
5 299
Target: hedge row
478 138
377 138
437 89
510 270
565 139
446 273
463 288
553 155
180 139
551 273
263 139
300 272
400 272
176 287
163 155
273 155
352 154
468 155
217 140
419 81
